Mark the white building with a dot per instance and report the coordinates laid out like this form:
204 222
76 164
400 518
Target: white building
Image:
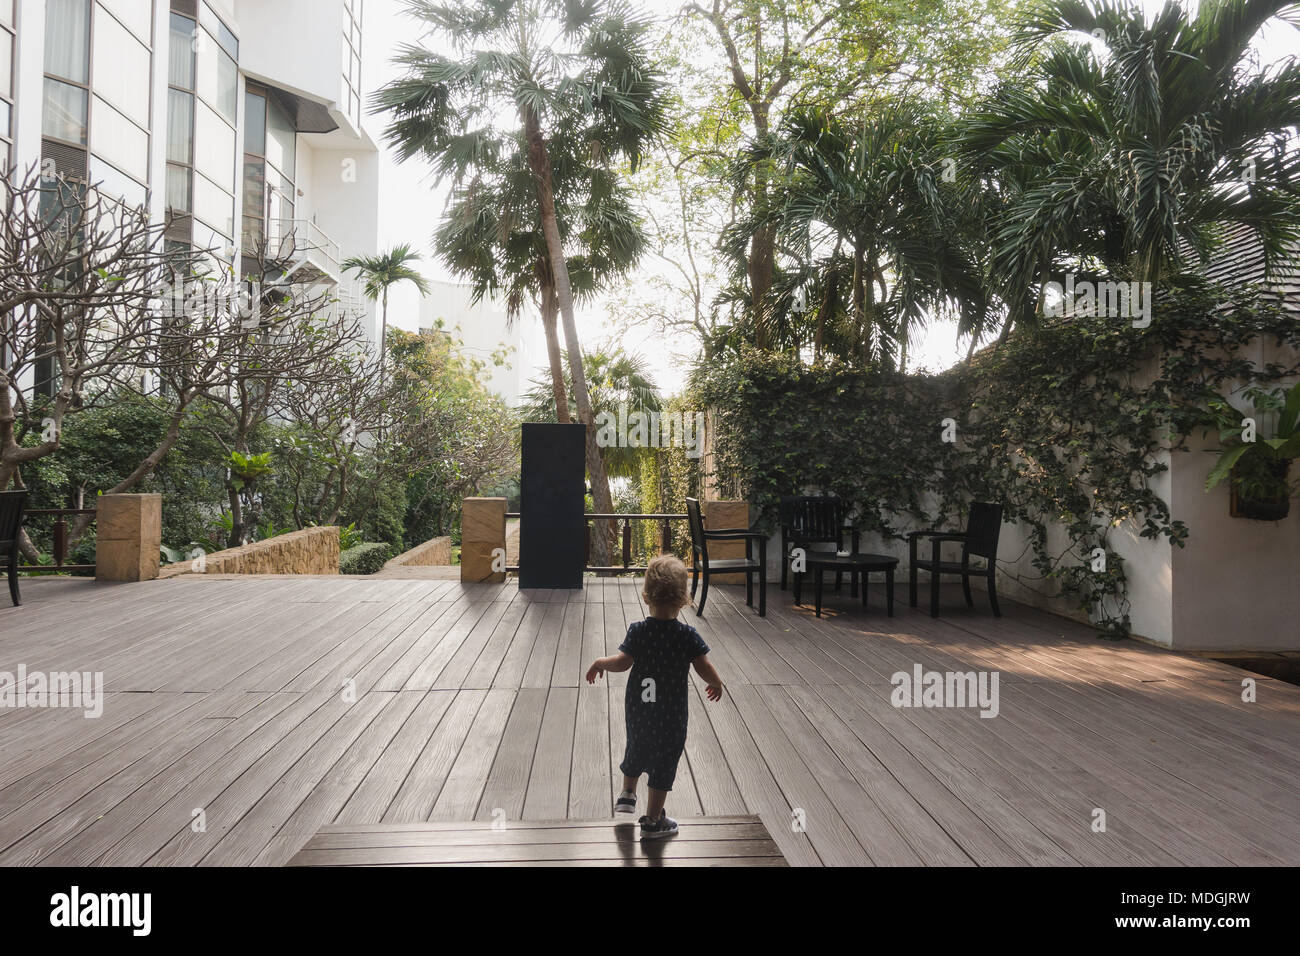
485 332
234 120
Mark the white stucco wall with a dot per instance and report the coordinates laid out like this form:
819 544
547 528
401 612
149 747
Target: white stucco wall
312 64
1235 584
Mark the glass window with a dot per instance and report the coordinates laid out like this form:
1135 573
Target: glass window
6 65
7 12
255 124
121 68
67 39
214 206
208 239
253 235
180 52
113 183
279 198
254 187
121 142
228 41
6 115
137 15
218 77
178 188
65 112
214 148
180 126
214 25
280 139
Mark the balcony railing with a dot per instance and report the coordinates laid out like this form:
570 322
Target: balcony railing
309 255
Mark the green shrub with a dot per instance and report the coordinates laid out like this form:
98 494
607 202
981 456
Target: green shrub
365 558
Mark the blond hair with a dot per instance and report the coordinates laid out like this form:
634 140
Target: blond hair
665 582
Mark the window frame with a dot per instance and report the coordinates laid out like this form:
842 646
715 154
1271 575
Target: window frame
201 34
93 9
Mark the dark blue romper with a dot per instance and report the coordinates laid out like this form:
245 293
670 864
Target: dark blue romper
656 712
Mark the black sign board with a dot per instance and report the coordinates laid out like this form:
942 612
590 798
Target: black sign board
552 530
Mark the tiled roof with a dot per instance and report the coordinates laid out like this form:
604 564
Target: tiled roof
1240 261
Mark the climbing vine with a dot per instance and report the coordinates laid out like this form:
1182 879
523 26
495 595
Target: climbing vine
1065 423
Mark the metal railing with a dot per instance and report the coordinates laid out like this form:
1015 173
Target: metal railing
348 300
58 542
302 241
627 567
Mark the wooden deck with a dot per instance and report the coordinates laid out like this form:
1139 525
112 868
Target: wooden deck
276 706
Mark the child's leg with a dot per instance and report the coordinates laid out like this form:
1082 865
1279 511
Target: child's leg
655 803
630 783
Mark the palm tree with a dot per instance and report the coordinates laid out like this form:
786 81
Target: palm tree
380 273
618 379
577 66
1133 148
873 200
492 236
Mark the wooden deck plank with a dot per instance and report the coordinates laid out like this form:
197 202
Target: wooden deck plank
507 781
460 795
547 797
340 781
419 788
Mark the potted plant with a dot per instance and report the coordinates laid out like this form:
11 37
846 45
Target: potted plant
1257 468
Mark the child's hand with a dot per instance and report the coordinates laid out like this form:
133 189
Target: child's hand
594 671
713 692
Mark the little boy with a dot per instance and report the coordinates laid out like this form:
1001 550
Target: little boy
660 650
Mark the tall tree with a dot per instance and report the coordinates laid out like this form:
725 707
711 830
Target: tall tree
381 272
578 66
878 193
492 236
848 55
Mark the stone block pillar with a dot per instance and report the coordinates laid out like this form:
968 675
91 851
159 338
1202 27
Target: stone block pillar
128 534
720 516
482 532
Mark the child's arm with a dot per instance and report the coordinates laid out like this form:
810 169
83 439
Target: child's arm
704 667
615 662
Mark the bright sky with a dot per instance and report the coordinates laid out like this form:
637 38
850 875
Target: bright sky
411 205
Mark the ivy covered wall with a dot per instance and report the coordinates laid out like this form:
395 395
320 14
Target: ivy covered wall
1071 425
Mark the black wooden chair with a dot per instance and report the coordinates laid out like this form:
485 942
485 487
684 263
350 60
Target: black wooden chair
980 539
814 519
11 520
702 564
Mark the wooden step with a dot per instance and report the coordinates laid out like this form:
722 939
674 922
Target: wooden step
700 841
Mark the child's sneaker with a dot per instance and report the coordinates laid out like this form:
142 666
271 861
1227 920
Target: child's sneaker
626 802
665 826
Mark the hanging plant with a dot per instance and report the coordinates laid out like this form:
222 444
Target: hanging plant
1257 468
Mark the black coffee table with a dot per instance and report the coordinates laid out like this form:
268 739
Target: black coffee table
864 564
